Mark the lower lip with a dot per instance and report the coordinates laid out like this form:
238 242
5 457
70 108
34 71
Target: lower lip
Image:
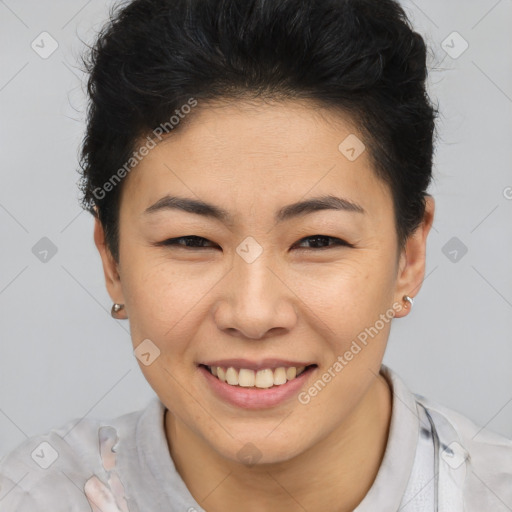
256 398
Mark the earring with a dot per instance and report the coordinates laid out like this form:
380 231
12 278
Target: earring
115 310
408 300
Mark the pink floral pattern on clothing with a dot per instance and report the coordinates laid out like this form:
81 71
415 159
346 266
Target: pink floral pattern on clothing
110 497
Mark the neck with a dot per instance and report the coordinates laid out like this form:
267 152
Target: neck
334 475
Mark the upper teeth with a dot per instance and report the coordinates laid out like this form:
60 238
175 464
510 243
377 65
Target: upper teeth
260 379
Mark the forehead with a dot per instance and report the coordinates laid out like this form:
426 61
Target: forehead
237 154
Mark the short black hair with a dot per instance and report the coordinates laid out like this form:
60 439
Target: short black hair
153 57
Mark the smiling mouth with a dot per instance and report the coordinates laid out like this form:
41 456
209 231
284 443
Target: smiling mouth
263 379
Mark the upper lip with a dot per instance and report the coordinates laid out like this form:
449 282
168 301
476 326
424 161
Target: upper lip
255 365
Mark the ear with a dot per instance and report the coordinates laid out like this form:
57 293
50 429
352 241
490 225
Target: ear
413 259
110 267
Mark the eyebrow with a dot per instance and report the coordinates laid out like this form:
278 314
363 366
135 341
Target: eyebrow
288 212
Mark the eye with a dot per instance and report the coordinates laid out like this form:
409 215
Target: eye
187 242
323 241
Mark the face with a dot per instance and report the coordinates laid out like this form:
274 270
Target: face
255 283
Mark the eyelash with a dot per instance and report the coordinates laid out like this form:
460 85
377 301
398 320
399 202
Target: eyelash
174 242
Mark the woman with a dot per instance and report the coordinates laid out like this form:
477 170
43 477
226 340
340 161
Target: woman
258 172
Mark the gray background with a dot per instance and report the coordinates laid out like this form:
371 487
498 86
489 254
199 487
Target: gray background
63 356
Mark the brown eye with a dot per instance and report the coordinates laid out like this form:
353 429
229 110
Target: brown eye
322 242
187 242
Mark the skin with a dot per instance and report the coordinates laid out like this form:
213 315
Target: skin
304 304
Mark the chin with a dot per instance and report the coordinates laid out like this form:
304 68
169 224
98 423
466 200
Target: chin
261 449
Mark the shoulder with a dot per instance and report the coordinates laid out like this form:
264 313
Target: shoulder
49 471
483 455
478 439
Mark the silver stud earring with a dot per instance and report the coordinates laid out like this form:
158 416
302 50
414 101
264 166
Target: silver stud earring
115 309
409 301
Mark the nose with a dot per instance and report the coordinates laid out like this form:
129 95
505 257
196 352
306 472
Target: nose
256 301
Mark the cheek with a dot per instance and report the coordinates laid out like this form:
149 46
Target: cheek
165 298
348 295
165 304
353 315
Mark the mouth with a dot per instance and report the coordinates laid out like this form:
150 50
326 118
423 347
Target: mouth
262 378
